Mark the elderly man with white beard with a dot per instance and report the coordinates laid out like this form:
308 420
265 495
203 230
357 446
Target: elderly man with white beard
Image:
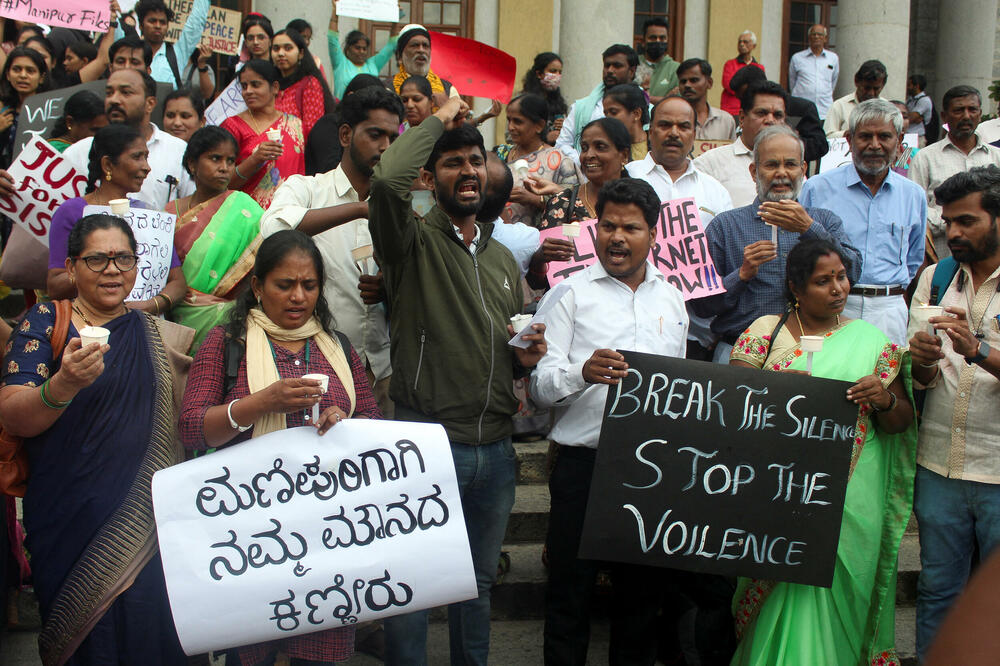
413 53
749 245
884 214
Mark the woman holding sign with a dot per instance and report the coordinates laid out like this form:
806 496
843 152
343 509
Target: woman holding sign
217 232
118 165
97 422
271 142
853 621
278 364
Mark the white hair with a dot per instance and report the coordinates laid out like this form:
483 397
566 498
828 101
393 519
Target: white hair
772 132
752 36
875 110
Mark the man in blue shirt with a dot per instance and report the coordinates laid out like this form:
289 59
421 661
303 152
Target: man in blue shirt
740 240
169 59
884 214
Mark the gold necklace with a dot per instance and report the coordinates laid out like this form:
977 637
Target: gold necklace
586 200
802 331
86 320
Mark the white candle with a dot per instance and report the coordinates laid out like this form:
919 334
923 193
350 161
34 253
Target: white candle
774 233
809 362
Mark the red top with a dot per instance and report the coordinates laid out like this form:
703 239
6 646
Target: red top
730 102
304 99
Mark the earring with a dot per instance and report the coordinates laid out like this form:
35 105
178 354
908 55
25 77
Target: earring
107 176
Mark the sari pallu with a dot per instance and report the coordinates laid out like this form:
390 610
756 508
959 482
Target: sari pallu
852 622
263 183
217 242
88 508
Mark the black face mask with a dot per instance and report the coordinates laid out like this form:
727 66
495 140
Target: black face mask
655 50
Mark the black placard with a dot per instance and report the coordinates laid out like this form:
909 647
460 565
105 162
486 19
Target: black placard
721 469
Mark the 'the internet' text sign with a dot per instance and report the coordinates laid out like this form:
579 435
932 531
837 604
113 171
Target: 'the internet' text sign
294 532
718 469
680 251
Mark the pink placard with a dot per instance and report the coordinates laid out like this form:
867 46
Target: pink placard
680 251
86 15
476 69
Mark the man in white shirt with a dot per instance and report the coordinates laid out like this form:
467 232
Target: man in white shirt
130 96
621 302
620 62
673 176
813 72
521 239
918 106
868 84
332 208
762 105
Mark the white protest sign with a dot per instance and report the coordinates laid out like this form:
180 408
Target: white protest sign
294 532
386 11
42 181
840 153
154 238
228 103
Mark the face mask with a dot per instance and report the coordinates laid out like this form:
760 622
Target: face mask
551 80
655 50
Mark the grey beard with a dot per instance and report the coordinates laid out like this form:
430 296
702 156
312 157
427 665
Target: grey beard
767 195
866 170
412 69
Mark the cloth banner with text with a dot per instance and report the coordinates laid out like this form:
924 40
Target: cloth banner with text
154 239
380 11
87 15
680 251
476 69
704 145
294 532
840 154
222 27
719 469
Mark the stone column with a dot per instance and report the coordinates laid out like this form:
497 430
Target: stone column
586 28
875 29
965 39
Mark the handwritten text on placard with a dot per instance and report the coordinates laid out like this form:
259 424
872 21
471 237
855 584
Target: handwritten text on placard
154 237
718 469
294 532
89 15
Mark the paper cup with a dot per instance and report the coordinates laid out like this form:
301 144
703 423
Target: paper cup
520 169
519 322
273 134
91 334
922 315
811 343
119 207
324 379
362 253
571 230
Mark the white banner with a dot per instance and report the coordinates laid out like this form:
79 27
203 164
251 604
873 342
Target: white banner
292 533
228 103
385 11
840 153
154 239
42 181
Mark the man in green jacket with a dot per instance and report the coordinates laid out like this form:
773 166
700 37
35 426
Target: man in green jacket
451 292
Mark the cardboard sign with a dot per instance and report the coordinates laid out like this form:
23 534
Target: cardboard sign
719 469
43 180
474 68
89 15
680 251
381 11
705 145
154 237
40 111
228 103
222 27
294 532
840 154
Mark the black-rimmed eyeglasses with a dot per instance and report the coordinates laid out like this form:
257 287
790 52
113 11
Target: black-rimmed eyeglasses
99 262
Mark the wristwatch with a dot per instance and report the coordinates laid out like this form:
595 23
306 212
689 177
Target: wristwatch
981 355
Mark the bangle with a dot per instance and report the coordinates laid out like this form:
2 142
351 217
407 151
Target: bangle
892 404
48 403
232 422
203 69
929 365
156 304
236 167
170 303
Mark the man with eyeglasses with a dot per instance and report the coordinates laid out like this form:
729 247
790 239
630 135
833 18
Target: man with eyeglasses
751 265
763 105
813 72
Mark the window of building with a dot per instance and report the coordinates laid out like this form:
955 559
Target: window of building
799 17
673 11
452 17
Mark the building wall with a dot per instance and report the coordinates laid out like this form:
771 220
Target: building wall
727 19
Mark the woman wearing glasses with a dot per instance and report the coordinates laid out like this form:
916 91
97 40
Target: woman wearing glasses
97 422
118 165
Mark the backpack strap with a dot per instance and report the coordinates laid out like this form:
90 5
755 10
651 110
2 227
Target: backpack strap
60 331
172 61
233 352
944 273
345 344
774 334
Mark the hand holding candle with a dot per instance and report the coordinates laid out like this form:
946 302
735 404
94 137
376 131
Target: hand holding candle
324 384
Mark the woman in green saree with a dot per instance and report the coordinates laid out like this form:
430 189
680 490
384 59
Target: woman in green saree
853 621
217 232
